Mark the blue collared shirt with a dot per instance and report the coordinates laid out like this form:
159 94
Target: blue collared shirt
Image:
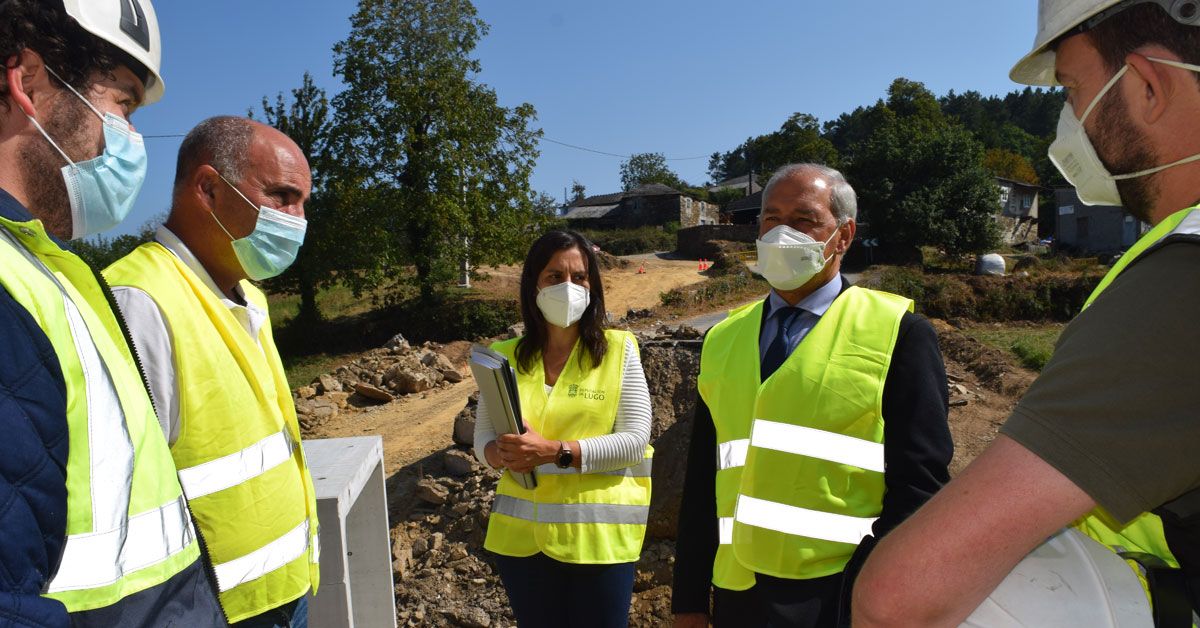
814 307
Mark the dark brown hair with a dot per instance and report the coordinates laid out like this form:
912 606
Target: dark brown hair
73 53
591 326
1139 25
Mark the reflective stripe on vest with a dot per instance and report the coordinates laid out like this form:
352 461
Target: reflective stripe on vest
814 443
573 517
570 513
732 454
237 467
725 530
813 481
238 451
263 560
1145 533
110 552
798 521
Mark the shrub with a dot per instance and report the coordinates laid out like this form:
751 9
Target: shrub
632 241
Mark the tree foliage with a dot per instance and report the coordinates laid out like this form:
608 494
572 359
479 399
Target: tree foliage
799 139
645 168
1009 165
578 191
437 168
307 120
100 252
920 177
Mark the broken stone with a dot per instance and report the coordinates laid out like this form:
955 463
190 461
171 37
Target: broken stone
436 541
410 382
339 398
458 463
431 492
306 392
452 376
371 392
420 546
328 384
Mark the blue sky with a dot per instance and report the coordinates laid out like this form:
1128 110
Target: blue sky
684 78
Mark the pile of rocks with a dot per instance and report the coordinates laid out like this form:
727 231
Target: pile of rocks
443 575
378 376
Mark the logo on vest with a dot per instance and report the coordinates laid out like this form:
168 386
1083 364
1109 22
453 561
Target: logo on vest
587 393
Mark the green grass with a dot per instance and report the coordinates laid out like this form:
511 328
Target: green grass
1031 345
305 368
334 301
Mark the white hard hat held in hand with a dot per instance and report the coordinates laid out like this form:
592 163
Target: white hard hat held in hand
131 26
1057 18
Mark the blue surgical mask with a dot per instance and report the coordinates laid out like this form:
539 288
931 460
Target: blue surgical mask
272 247
102 190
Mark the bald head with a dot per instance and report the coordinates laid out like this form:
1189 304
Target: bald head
229 168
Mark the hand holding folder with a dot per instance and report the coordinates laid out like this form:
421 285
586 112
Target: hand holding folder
498 388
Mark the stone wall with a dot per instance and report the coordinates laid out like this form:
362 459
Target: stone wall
691 242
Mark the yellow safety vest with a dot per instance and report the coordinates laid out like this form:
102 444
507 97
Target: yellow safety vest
728 383
238 451
813 480
593 518
128 528
1145 533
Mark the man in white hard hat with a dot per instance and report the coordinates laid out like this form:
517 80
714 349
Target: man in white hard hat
94 530
1106 438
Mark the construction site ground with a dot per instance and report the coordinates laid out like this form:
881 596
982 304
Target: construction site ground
984 384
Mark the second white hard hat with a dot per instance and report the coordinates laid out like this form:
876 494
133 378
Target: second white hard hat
131 26
1058 17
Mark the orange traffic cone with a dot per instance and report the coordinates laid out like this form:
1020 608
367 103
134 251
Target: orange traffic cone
700 265
642 269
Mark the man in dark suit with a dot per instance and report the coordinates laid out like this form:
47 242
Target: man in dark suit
825 405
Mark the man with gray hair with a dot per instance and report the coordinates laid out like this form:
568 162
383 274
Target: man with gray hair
794 391
218 383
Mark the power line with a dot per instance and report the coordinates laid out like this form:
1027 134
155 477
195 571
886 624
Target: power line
601 152
552 141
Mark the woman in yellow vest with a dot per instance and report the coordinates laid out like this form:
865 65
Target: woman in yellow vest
566 548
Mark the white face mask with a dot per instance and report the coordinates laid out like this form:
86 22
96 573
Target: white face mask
1075 157
788 259
563 304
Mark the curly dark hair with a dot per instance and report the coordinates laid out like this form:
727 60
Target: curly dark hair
72 52
591 326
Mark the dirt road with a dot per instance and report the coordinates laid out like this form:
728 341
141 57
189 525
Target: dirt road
624 288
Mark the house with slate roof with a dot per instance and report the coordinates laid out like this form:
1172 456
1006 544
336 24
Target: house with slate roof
652 204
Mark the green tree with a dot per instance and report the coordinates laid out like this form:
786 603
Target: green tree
439 169
1009 165
644 168
100 252
920 176
307 120
578 191
799 139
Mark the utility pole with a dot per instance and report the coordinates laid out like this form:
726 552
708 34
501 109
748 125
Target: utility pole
465 278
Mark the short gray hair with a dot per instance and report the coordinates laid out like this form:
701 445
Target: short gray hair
843 201
222 142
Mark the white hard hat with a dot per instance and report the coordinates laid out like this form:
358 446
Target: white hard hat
1070 580
1058 17
131 26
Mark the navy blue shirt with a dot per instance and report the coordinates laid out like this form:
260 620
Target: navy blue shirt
33 460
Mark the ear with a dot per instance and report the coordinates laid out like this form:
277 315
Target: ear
204 185
846 235
21 71
1152 88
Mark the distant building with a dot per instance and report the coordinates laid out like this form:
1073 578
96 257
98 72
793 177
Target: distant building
738 183
652 204
1093 229
1018 217
744 211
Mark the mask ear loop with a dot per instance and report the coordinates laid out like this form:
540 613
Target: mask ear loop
77 94
1107 86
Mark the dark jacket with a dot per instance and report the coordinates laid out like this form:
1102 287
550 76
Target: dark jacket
917 452
33 491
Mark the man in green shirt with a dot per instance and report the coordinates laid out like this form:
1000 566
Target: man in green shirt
1111 429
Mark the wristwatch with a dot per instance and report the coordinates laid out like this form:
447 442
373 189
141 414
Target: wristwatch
565 457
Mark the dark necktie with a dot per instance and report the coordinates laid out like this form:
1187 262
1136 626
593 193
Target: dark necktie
778 352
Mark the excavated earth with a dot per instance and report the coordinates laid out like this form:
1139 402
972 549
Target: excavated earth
439 503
